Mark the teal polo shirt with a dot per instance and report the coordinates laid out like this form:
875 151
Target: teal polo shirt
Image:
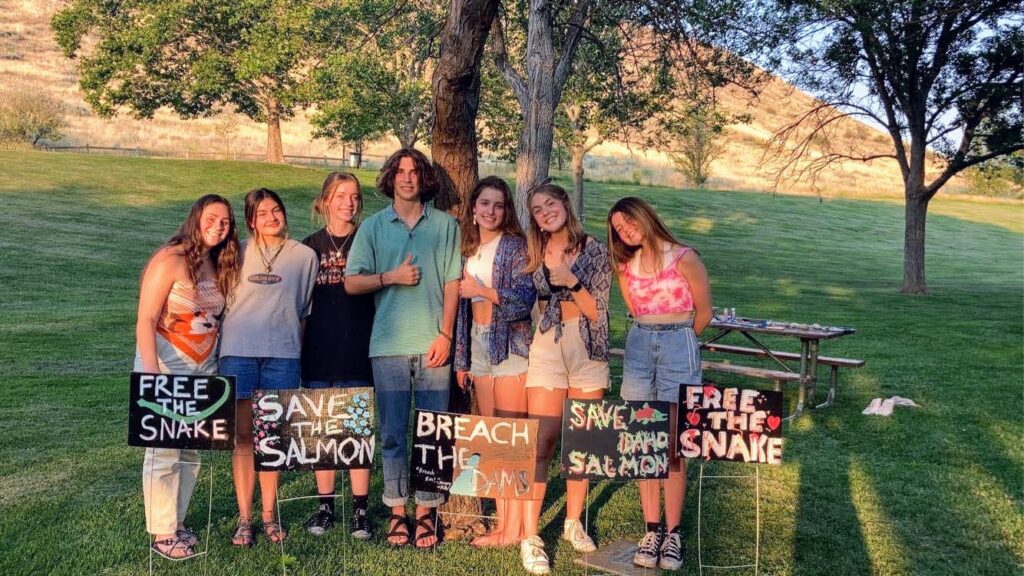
408 318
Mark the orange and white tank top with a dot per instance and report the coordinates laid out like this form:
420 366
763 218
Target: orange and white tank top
190 320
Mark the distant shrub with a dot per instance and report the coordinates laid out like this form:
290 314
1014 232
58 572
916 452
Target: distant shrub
1002 177
30 118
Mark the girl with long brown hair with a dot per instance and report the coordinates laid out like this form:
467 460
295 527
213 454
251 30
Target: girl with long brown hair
492 328
665 288
183 290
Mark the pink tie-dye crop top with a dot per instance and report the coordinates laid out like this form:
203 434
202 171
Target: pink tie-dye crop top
667 292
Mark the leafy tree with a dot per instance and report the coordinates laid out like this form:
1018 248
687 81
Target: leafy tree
538 64
197 56
382 85
944 78
30 118
697 141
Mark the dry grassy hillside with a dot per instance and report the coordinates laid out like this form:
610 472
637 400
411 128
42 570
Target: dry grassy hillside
31 61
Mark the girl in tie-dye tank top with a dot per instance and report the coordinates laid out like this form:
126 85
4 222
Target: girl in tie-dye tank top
181 300
665 288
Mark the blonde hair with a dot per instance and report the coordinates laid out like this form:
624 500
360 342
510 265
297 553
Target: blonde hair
318 213
537 239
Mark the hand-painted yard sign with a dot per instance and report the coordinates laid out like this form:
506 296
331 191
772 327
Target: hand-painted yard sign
733 424
181 411
313 429
615 439
473 455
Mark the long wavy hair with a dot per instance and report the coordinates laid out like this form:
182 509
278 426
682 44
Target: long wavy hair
537 239
428 180
651 226
331 184
225 256
252 202
509 224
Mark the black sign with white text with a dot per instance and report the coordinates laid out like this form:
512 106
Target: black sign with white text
181 411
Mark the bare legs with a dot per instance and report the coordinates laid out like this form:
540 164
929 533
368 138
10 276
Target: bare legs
505 397
674 487
244 471
546 406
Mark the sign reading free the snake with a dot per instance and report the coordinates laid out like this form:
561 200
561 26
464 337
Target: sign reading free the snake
181 411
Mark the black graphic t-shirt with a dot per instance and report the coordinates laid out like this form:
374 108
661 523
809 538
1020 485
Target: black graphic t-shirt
336 345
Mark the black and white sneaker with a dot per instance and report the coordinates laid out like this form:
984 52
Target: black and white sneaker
321 521
360 525
649 548
672 551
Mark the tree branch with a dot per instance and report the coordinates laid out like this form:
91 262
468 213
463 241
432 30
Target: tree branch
514 80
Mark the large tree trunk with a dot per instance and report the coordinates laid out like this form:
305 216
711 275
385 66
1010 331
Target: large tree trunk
578 154
275 151
533 159
913 243
456 84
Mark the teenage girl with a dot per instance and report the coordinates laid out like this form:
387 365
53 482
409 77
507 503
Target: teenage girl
492 329
186 280
262 342
569 353
336 344
665 288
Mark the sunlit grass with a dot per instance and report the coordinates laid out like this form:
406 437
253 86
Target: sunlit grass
934 490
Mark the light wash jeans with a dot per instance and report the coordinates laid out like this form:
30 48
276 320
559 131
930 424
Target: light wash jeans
396 380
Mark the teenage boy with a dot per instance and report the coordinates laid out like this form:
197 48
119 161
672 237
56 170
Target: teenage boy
407 255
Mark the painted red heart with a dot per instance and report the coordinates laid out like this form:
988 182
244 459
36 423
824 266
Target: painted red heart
693 418
709 390
773 422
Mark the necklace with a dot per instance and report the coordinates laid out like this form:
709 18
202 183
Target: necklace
268 263
348 240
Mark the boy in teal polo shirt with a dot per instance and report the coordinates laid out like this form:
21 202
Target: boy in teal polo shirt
407 255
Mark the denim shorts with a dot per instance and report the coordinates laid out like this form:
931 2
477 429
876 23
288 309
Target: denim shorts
336 384
261 374
480 364
660 359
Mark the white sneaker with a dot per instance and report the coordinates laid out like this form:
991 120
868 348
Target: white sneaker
535 559
574 533
649 548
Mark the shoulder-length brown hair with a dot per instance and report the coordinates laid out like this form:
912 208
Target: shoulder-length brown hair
537 239
225 256
331 183
252 202
651 226
428 181
509 224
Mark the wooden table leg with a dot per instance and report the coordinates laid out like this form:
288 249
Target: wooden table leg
802 393
812 371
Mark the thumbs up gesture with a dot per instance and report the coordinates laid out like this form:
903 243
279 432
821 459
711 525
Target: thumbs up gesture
562 275
406 274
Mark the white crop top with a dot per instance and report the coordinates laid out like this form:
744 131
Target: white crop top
481 264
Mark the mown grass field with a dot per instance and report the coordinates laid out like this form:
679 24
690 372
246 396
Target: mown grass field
935 490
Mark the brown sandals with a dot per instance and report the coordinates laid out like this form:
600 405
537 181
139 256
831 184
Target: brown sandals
243 534
173 549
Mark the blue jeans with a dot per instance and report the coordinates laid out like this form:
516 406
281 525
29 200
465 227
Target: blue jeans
260 374
660 359
396 379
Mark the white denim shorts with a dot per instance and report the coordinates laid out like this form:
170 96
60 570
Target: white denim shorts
564 364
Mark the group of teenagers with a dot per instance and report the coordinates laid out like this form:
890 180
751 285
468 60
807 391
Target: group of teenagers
398 301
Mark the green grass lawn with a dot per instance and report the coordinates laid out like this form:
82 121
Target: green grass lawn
935 490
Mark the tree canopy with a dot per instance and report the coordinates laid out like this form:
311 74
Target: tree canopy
943 77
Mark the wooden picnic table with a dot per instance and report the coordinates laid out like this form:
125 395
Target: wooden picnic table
809 335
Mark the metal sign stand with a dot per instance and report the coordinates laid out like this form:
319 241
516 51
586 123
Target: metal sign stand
757 526
209 517
343 523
